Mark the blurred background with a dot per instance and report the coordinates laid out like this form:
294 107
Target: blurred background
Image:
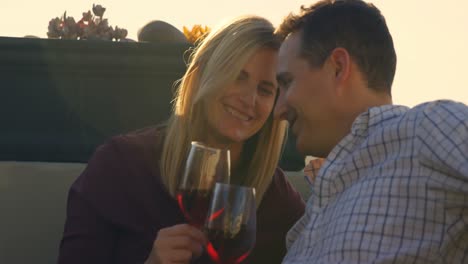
431 37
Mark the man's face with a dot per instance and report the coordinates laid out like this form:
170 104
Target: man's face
307 99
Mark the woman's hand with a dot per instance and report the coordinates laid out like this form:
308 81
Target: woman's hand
177 244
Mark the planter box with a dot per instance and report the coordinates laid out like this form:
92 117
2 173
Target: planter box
59 99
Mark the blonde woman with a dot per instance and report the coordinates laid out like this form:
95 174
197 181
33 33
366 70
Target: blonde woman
122 209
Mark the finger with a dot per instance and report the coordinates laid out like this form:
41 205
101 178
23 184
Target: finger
180 256
172 256
185 229
182 242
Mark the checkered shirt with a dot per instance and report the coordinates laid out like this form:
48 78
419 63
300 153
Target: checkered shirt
394 190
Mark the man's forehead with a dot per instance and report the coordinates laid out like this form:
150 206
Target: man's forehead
291 44
289 50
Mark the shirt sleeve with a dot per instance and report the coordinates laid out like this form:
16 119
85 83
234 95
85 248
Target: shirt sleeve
444 154
296 230
443 135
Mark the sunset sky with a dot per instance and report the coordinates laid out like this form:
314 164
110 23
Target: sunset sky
431 37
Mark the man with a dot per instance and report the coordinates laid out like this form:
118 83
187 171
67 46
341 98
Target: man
394 186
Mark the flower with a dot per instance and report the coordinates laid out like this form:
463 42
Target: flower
120 33
70 28
106 33
87 16
98 10
197 33
88 27
54 30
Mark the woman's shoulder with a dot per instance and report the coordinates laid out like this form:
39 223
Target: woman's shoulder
282 190
124 166
139 146
131 155
282 203
141 139
280 182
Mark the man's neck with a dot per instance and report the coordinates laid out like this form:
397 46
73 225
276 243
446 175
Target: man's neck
367 98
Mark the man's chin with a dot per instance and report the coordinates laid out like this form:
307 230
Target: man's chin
308 150
305 147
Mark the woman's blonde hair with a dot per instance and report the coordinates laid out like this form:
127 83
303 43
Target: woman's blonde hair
215 62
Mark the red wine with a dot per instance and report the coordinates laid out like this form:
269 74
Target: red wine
226 248
194 205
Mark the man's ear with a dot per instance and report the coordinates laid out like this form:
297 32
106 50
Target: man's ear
340 61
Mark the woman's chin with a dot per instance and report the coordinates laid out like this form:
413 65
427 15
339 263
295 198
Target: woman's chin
236 136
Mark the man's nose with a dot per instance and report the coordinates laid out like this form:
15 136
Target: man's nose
281 110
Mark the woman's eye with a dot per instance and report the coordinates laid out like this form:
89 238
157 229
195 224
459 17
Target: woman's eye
265 91
242 76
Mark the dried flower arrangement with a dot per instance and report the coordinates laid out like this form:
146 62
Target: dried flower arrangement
197 33
90 26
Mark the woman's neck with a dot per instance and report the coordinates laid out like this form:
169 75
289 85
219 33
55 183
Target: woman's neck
235 151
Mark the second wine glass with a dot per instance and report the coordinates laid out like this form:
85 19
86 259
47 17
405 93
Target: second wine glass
231 224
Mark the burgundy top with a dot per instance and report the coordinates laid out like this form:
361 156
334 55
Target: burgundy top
118 204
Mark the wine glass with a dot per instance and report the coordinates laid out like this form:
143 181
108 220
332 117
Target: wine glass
231 224
205 166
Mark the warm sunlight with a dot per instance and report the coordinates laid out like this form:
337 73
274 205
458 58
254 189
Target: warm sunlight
430 36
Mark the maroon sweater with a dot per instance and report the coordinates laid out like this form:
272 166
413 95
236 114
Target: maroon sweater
118 204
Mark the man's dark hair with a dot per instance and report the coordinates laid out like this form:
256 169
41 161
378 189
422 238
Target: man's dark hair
354 25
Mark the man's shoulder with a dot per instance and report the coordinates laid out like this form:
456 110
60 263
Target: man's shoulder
441 108
440 115
440 127
429 121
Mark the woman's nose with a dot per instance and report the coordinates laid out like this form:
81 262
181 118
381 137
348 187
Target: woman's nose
249 95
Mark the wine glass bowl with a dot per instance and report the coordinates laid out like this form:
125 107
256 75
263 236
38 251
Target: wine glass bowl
231 223
205 166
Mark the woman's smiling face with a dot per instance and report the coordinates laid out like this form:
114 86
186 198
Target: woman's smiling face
243 107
